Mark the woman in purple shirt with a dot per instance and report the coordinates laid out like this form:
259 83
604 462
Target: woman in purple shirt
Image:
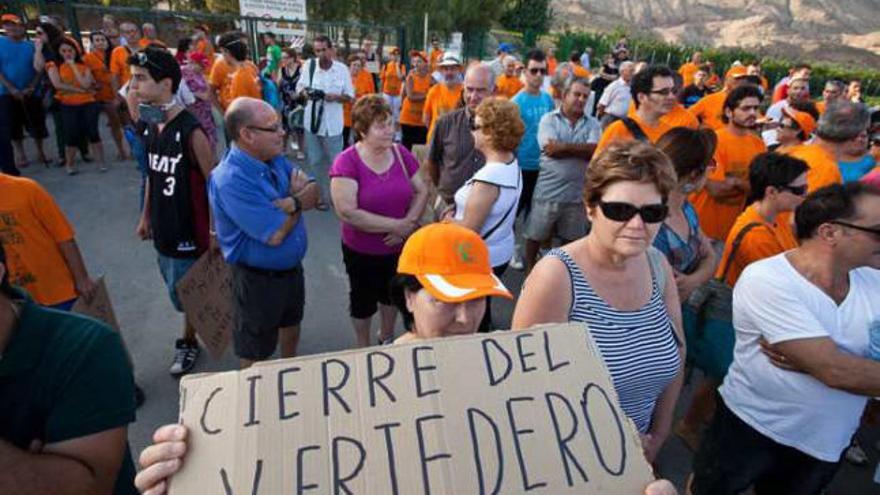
379 196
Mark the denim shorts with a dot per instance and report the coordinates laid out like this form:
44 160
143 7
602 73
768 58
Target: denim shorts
172 270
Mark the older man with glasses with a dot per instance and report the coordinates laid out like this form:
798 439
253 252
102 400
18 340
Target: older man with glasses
257 198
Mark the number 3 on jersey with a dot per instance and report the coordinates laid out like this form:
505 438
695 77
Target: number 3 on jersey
169 186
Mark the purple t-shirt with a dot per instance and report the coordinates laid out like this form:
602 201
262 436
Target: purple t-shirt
388 194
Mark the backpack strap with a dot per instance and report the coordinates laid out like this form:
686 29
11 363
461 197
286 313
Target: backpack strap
635 129
735 247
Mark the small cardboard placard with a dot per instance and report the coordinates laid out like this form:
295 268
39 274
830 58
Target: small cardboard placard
507 412
99 306
205 293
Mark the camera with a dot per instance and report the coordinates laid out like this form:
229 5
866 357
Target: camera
315 94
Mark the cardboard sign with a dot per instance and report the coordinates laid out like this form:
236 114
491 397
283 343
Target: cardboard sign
507 412
99 306
205 293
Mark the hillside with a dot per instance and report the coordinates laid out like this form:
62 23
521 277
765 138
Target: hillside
844 31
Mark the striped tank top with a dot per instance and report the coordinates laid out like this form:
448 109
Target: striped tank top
640 348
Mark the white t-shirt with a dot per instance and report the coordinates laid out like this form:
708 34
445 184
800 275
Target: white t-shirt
335 80
616 98
773 300
508 178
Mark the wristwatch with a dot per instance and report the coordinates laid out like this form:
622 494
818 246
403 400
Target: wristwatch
298 204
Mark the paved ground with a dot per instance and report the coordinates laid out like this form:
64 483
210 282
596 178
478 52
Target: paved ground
104 208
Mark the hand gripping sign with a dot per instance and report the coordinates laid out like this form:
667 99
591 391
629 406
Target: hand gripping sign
508 412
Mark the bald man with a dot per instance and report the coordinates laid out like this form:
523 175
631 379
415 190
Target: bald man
452 158
257 197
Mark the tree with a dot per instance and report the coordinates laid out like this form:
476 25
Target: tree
530 17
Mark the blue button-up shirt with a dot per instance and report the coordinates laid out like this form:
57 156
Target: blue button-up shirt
241 191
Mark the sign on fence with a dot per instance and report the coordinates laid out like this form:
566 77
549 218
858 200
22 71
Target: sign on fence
507 412
277 9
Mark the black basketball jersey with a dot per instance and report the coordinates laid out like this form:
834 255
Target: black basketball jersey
178 197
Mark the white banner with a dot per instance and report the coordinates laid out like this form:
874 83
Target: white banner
277 9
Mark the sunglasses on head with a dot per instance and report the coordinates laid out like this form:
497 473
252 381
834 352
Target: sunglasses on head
143 60
796 190
624 212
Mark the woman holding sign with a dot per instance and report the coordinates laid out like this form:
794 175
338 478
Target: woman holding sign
619 285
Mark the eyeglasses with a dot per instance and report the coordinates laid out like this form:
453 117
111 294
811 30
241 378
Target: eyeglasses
537 70
624 212
796 190
870 230
663 92
274 129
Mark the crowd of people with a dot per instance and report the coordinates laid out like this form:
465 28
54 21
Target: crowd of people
690 221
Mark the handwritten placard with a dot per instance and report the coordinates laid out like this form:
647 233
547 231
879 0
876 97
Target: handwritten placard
98 306
205 293
508 412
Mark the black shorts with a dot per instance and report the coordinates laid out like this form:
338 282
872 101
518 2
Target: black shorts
369 279
26 114
530 179
411 135
734 456
80 123
264 302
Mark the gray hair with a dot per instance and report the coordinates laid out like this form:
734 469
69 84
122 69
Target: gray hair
571 81
836 84
562 76
843 121
486 70
239 114
626 65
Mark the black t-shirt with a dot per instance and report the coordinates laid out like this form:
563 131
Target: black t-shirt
178 191
64 376
691 95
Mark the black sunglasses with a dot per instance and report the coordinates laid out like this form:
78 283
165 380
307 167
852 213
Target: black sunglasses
870 230
624 212
143 60
796 190
537 70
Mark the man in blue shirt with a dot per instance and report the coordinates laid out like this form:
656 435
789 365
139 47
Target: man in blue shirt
20 107
257 197
533 103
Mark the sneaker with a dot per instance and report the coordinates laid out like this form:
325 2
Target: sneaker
516 262
856 455
185 355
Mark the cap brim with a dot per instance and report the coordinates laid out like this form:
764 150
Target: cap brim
460 288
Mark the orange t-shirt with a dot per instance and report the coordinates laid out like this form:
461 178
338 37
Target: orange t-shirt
435 58
31 227
65 72
119 64
687 72
758 243
709 109
411 112
508 86
392 84
363 85
733 157
680 117
823 167
441 100
580 71
552 63
95 63
617 131
243 81
820 106
219 77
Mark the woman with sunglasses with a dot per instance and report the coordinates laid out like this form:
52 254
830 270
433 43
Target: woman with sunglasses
487 202
621 287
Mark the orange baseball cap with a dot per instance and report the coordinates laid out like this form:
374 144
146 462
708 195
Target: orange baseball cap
10 18
451 262
737 72
804 120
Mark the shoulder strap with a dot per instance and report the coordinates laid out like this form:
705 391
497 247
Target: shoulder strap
735 247
399 157
656 263
312 65
507 214
635 129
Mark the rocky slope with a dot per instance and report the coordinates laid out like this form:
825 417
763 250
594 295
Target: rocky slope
846 31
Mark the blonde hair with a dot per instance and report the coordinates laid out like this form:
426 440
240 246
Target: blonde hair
501 123
632 161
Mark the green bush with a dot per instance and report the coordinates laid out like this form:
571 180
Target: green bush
656 51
